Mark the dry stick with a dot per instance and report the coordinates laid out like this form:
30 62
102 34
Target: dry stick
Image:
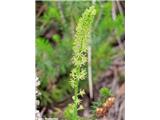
113 10
90 69
121 111
90 65
119 7
42 111
41 10
90 72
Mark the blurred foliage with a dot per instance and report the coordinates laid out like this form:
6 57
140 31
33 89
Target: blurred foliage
69 112
51 69
53 55
105 92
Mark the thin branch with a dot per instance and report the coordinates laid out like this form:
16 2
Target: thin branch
119 7
42 8
90 64
90 72
42 111
113 10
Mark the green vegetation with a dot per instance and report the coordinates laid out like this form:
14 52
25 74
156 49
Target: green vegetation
61 53
79 58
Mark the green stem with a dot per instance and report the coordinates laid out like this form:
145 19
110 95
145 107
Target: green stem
75 101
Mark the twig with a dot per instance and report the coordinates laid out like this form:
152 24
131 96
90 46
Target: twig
41 10
90 72
121 111
119 7
43 110
90 65
113 10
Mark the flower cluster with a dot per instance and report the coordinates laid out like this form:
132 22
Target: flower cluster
79 59
80 45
